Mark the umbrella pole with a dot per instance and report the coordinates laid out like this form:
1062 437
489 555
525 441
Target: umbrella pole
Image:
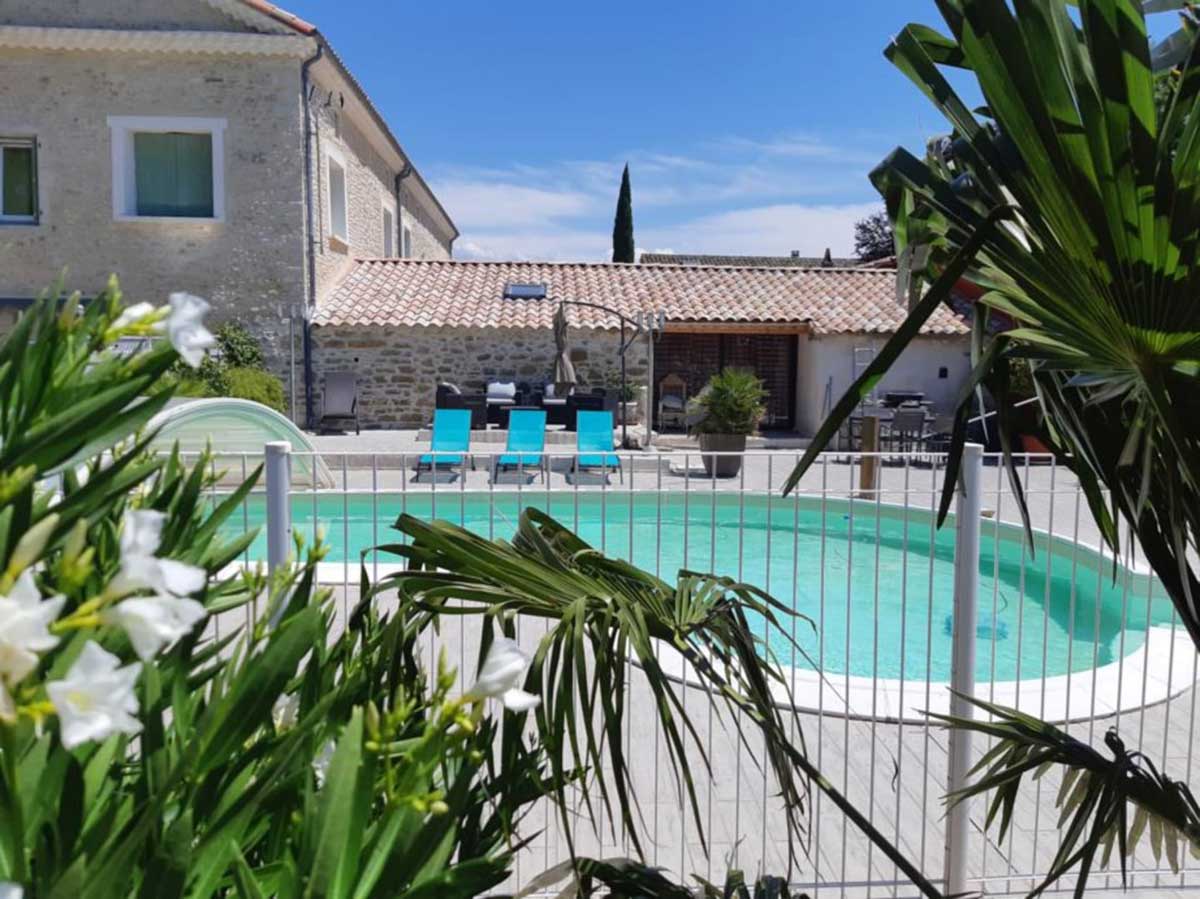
621 398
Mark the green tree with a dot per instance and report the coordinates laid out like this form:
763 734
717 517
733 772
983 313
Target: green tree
873 238
623 247
1072 196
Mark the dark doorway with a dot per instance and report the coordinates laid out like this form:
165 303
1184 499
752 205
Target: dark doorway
697 357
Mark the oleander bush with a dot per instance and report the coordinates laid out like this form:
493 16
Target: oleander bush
174 723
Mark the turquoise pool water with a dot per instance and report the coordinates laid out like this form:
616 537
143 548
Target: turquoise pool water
878 589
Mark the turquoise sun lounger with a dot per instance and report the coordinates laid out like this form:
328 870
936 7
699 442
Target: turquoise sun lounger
526 444
594 441
451 440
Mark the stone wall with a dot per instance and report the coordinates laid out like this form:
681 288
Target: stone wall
250 266
159 14
399 370
370 185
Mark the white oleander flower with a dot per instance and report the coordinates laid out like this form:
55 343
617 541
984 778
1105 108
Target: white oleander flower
131 315
141 569
285 711
154 623
8 712
320 764
501 676
185 327
96 699
25 619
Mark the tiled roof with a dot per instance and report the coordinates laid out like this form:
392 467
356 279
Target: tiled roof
292 20
417 293
747 261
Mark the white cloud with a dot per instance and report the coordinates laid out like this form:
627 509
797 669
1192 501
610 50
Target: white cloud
773 230
731 196
540 244
479 203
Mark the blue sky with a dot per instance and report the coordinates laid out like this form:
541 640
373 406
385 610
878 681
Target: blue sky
748 127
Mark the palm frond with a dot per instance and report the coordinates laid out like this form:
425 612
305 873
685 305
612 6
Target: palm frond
603 613
1096 262
1095 799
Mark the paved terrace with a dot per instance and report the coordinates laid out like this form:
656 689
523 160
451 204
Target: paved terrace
897 770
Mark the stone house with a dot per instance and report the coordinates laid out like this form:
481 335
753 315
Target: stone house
216 146
405 325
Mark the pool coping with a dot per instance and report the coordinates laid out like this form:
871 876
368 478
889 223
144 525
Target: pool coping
1156 671
1152 674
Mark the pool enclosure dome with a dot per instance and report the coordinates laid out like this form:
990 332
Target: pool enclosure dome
236 429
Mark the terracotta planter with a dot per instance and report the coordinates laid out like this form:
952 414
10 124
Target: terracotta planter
719 466
1031 444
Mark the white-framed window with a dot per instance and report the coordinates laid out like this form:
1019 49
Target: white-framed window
18 180
169 168
389 231
406 242
339 225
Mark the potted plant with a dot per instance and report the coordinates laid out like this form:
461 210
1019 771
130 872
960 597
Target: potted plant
1026 417
628 408
728 408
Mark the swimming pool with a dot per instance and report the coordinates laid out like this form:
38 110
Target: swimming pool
876 580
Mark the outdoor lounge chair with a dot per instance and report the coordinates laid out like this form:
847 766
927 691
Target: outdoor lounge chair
450 441
340 399
594 442
577 403
672 402
500 395
526 444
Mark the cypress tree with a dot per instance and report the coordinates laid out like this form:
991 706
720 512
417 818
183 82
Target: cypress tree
623 250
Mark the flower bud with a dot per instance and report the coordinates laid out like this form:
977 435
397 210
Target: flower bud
32 543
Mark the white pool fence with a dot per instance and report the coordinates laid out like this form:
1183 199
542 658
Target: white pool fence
1128 662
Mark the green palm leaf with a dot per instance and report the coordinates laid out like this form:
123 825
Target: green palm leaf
1096 259
1095 155
603 612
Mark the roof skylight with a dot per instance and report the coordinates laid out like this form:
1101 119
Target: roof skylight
519 291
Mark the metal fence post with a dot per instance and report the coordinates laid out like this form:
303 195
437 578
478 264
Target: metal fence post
967 512
279 502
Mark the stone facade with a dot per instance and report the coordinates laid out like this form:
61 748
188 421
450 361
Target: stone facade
249 266
399 369
160 15
253 265
370 187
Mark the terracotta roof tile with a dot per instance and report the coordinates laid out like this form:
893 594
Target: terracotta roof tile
417 293
746 261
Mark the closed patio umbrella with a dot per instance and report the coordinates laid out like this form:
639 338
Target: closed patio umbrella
564 371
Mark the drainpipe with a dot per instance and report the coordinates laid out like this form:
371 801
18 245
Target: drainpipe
310 253
399 235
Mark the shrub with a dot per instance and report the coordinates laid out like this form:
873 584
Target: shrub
254 384
731 403
143 754
238 347
236 371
